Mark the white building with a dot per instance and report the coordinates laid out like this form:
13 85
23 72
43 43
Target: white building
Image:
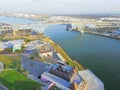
90 25
16 47
60 56
45 53
14 44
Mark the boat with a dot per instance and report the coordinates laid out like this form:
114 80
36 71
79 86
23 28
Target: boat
82 31
69 29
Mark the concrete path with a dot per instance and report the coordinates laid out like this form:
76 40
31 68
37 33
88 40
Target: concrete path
93 82
2 87
35 67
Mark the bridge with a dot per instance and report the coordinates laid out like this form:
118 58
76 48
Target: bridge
38 27
78 24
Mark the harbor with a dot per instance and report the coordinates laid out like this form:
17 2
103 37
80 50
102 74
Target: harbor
90 50
99 54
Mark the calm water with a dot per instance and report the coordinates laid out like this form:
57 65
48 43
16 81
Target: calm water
100 54
13 20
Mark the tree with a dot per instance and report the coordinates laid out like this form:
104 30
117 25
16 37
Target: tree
18 51
22 47
27 40
8 49
26 73
21 69
31 57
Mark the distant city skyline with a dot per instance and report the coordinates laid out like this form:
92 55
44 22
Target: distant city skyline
61 6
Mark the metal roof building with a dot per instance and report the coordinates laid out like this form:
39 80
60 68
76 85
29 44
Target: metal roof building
63 84
64 76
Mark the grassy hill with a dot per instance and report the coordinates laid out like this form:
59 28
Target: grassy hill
17 81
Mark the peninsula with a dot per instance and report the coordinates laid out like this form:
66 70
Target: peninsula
27 53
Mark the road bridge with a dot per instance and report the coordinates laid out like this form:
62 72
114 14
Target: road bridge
76 23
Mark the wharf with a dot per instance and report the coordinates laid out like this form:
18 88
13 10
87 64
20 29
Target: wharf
100 34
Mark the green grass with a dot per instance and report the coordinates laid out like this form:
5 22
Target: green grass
17 81
64 54
10 61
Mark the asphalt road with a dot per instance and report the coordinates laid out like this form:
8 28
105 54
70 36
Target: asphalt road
35 67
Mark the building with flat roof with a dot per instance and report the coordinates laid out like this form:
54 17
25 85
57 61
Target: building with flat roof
60 56
14 44
16 47
63 76
45 53
33 45
10 44
66 72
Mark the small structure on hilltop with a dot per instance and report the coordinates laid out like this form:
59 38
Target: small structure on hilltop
46 51
1 66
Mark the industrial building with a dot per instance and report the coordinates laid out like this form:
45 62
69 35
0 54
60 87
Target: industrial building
14 44
63 76
45 53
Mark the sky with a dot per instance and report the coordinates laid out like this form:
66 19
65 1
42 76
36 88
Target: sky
61 6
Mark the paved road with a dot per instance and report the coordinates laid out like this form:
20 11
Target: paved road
56 57
3 87
35 67
93 82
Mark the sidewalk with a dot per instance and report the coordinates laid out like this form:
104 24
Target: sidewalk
2 87
93 82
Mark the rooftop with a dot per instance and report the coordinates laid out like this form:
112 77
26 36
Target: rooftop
13 42
34 45
64 68
56 79
44 51
93 82
63 76
2 45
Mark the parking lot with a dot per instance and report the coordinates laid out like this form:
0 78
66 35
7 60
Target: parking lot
35 67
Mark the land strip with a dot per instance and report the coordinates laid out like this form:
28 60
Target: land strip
64 54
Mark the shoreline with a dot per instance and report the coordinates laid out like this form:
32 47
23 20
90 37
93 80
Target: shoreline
85 73
64 54
100 34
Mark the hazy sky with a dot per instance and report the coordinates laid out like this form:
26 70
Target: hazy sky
61 6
